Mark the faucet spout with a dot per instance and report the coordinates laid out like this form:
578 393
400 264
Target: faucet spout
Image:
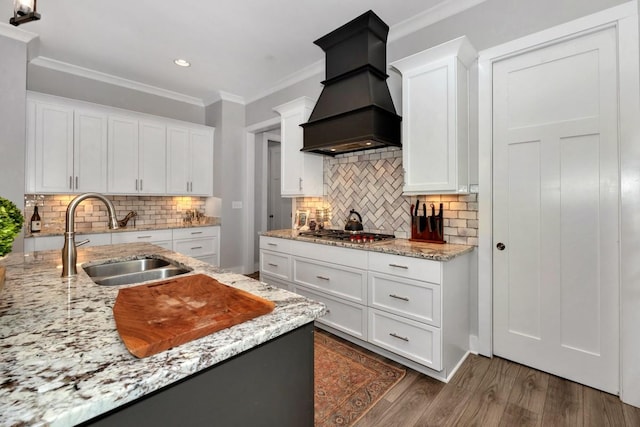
69 253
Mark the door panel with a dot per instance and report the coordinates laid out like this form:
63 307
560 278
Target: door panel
556 209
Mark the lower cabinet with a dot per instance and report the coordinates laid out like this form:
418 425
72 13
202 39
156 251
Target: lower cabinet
411 310
342 315
202 243
157 237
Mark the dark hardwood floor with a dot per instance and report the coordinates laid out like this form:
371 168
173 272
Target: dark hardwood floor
496 392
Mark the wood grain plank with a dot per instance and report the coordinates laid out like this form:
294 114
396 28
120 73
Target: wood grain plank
526 400
602 409
471 372
564 404
446 408
487 405
411 404
631 415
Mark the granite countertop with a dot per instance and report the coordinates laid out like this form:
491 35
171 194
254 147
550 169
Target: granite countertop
59 230
62 361
404 247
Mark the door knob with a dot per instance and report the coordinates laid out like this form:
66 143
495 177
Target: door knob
500 246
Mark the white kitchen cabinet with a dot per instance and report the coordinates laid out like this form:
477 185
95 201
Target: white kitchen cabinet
163 238
66 148
137 156
275 262
190 160
302 173
411 310
435 122
76 147
202 243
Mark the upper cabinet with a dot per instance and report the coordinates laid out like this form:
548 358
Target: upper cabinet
190 160
77 147
66 148
435 123
137 156
302 173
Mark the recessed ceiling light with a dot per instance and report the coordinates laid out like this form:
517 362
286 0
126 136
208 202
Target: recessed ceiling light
182 62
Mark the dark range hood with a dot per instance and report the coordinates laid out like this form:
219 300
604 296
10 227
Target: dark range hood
355 111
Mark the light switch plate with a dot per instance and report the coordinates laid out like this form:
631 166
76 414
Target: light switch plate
236 205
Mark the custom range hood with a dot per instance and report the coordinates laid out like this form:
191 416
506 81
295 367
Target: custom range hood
355 111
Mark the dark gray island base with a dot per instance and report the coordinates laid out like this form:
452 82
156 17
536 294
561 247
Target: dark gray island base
269 385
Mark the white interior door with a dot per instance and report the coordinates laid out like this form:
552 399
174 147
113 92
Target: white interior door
278 207
556 190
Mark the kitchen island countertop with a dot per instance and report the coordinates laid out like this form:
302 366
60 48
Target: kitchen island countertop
404 247
62 361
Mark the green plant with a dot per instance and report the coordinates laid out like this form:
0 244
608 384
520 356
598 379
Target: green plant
11 221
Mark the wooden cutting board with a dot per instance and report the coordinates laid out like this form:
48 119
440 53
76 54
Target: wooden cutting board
158 316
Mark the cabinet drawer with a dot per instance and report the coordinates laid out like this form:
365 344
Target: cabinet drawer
348 257
275 264
413 340
141 236
341 281
275 244
411 268
194 233
195 247
345 316
416 300
166 244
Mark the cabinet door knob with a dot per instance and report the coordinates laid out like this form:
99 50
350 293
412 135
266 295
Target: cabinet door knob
500 246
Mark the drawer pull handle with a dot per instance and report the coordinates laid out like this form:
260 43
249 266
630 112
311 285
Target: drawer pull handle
273 265
399 337
399 266
196 232
397 297
144 237
322 278
196 247
272 244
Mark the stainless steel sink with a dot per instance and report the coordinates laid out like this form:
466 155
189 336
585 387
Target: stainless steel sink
111 273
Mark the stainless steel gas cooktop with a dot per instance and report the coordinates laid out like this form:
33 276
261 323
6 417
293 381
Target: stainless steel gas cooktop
346 236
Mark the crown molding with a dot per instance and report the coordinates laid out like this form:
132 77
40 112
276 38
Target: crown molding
16 33
430 16
298 76
114 80
226 96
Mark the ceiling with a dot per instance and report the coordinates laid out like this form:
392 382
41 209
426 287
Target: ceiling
239 48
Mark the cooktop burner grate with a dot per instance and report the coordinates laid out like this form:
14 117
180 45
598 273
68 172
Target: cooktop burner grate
346 236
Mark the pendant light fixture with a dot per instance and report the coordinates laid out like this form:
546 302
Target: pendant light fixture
24 11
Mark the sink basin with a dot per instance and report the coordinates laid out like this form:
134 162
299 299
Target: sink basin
112 273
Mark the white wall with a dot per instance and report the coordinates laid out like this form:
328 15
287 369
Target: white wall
13 95
229 179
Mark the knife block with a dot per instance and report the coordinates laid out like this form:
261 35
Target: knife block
422 232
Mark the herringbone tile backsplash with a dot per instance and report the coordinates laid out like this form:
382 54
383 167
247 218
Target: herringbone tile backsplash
371 183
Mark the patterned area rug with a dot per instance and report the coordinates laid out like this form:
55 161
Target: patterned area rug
347 382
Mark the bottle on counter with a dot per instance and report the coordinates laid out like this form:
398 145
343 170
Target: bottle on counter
36 223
